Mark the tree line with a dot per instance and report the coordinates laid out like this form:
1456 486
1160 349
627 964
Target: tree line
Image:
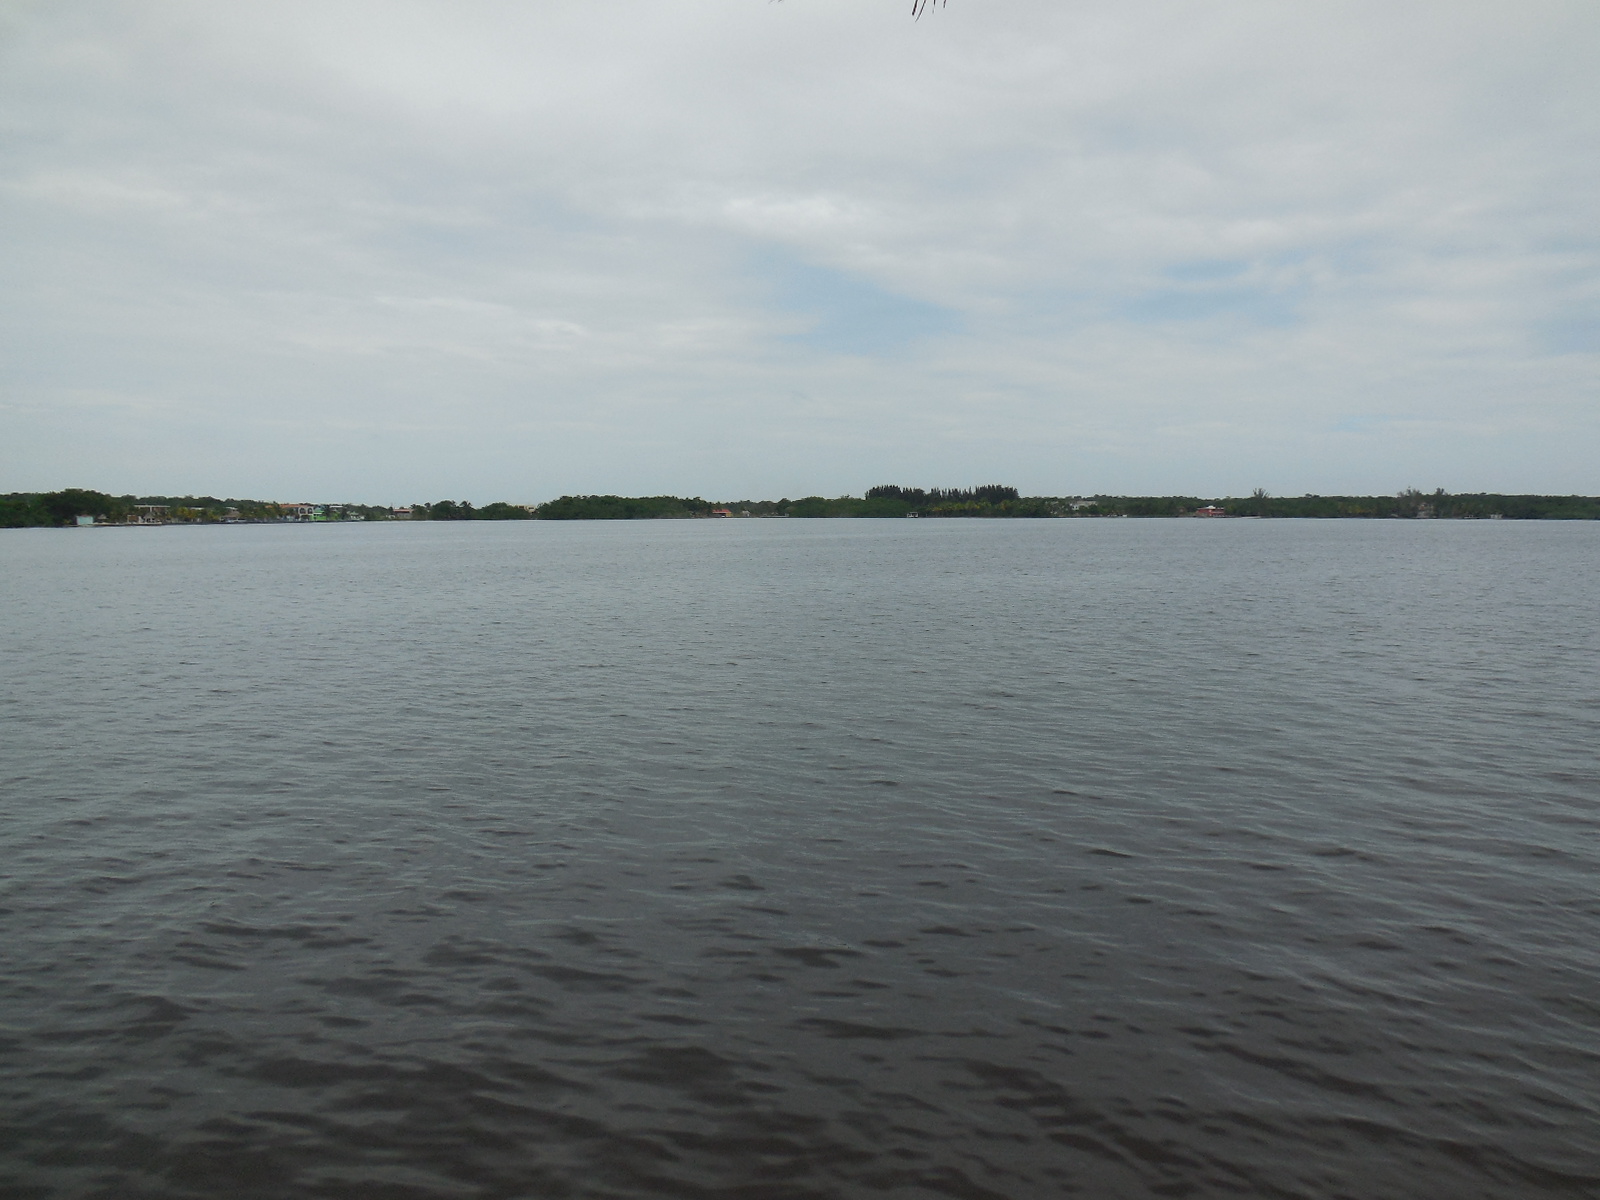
21 509
996 500
65 507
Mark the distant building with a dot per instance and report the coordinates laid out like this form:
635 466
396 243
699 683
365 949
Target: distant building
82 520
722 512
1210 510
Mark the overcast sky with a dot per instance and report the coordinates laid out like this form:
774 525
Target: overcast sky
401 250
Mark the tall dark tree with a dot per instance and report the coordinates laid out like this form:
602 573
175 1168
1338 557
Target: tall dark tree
63 506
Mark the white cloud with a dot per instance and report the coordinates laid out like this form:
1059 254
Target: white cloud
729 247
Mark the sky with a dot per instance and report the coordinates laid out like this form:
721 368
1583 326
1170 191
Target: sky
402 250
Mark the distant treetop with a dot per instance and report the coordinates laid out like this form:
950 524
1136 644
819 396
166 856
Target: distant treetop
989 493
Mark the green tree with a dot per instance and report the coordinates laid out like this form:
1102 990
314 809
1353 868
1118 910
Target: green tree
502 511
450 510
66 506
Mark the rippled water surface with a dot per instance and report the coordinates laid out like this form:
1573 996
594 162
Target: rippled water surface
801 859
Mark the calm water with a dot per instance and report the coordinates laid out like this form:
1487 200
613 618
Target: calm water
801 859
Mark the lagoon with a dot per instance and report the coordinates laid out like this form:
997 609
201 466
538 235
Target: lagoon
801 859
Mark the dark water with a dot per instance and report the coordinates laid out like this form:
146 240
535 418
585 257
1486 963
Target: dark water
801 859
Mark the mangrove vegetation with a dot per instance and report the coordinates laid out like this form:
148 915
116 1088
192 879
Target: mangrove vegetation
79 506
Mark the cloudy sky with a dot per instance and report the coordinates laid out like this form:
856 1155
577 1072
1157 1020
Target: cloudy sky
399 250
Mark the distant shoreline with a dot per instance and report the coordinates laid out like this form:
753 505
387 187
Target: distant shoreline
81 507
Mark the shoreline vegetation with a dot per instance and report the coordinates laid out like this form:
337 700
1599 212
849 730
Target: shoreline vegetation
77 506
